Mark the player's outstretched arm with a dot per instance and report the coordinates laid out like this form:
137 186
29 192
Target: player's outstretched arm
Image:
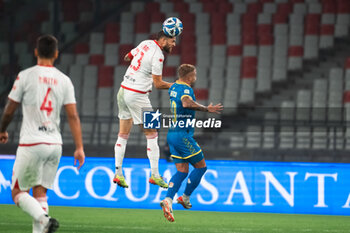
74 124
188 102
159 83
215 108
7 116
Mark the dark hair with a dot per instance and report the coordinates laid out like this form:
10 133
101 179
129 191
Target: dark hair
46 46
185 69
161 34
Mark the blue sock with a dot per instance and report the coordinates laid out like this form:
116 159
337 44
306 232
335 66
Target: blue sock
175 183
194 179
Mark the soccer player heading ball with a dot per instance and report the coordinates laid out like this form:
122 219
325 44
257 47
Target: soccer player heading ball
146 65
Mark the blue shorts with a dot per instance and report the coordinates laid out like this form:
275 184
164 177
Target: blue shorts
183 148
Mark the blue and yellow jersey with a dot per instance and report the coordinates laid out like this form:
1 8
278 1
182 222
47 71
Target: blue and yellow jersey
182 145
181 116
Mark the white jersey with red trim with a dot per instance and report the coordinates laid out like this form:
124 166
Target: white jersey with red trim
42 90
147 60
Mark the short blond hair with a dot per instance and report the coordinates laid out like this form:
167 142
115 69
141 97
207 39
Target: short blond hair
185 69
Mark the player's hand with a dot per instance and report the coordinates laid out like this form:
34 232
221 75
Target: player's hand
4 137
215 108
80 156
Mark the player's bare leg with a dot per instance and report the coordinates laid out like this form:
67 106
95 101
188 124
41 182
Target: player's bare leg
119 151
153 156
39 193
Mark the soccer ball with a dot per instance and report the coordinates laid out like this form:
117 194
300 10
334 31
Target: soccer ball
172 26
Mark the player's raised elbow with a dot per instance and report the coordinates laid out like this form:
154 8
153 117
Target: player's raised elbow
128 57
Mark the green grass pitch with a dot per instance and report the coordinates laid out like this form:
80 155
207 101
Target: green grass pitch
100 220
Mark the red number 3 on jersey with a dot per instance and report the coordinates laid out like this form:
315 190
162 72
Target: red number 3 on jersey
47 104
138 61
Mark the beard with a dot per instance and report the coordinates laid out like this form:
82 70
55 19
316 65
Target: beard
167 49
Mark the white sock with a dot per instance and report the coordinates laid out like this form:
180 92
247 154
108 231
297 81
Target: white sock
119 152
153 155
185 197
169 200
30 205
43 203
37 227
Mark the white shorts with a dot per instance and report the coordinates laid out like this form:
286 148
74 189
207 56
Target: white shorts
36 165
131 105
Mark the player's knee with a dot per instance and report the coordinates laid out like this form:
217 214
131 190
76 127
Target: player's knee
152 135
124 135
16 194
183 175
202 170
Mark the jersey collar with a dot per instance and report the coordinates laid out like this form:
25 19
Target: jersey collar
157 44
180 82
46 65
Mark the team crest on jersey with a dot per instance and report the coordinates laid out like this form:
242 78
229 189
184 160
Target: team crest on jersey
173 94
186 91
161 60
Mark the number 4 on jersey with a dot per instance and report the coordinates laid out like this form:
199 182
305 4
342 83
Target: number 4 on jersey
47 104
